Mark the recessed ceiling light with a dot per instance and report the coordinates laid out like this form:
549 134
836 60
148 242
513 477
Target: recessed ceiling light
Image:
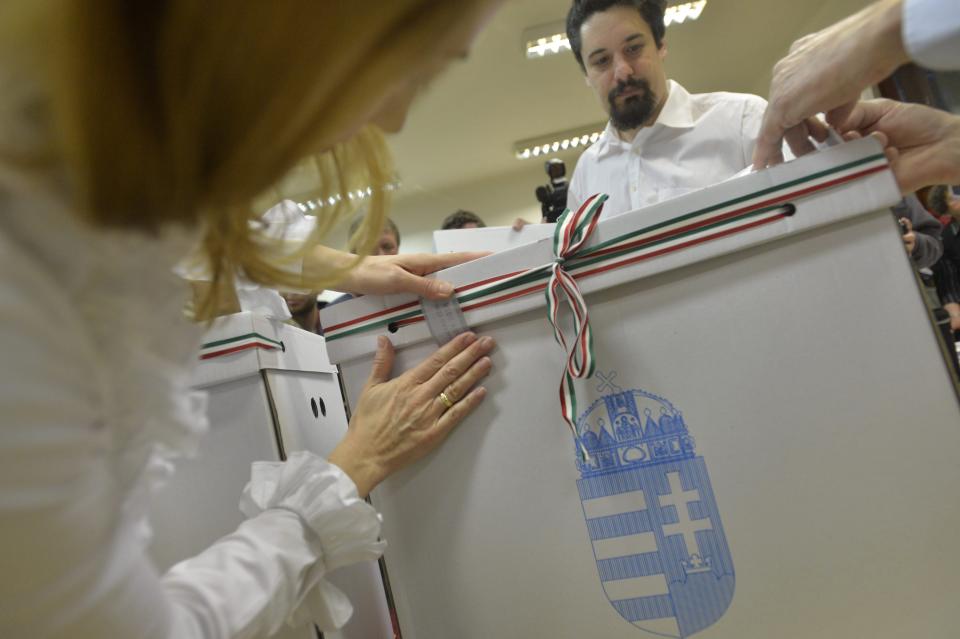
557 142
549 39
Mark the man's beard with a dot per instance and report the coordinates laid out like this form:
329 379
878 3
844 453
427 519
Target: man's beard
636 109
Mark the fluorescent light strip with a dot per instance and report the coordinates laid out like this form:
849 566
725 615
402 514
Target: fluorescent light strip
676 14
557 142
360 194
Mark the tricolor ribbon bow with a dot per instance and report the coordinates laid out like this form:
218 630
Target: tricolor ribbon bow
572 232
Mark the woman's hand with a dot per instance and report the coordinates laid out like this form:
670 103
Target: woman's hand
387 274
399 421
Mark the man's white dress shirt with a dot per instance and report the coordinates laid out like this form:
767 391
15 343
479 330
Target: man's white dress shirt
697 141
931 33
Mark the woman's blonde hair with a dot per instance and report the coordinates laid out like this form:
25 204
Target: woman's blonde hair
185 111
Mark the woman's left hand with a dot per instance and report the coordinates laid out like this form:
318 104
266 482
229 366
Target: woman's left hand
399 420
385 274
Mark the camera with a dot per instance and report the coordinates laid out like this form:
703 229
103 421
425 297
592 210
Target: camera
553 196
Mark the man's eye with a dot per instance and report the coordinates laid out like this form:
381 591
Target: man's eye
634 49
601 62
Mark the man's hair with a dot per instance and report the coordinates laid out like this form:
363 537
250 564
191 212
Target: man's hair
580 11
388 225
460 219
937 200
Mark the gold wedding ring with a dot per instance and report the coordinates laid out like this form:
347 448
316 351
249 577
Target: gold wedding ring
446 400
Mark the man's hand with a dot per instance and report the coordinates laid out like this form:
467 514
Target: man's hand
825 72
923 143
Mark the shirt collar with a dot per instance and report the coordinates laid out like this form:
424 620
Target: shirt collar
675 114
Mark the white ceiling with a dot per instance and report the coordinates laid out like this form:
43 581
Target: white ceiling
463 128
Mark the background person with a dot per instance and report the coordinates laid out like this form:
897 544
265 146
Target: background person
946 272
921 232
462 220
304 310
388 243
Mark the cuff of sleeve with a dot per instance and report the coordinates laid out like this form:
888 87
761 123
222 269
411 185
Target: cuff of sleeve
931 35
346 528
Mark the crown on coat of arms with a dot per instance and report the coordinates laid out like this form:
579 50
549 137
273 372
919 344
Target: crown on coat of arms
632 428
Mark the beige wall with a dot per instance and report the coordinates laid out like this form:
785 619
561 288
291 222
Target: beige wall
499 200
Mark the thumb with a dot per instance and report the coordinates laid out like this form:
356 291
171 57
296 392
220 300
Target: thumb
382 362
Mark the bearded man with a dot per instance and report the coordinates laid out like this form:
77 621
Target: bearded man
661 141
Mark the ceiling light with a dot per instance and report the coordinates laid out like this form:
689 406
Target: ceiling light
548 39
559 141
312 204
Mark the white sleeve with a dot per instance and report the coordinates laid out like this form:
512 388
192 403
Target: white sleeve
931 33
72 545
306 521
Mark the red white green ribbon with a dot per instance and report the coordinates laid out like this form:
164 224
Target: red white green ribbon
238 343
569 237
723 219
690 229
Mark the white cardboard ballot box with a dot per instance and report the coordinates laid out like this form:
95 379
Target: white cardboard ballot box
272 391
773 441
501 237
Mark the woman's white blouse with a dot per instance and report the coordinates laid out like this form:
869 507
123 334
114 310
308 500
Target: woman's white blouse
94 354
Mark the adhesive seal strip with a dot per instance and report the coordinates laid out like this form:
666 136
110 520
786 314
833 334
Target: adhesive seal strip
444 318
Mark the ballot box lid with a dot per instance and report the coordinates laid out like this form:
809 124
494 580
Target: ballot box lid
811 192
245 343
503 237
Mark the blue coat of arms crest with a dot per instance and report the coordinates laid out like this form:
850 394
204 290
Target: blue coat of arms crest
652 517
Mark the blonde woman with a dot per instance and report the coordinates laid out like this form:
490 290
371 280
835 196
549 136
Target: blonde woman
128 132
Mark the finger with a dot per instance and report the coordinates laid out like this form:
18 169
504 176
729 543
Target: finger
426 369
817 129
769 147
841 114
906 223
427 287
462 385
519 223
861 115
426 263
456 367
799 140
382 362
881 138
457 414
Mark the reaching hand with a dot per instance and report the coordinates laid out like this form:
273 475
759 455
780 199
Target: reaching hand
923 143
826 72
400 420
388 274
